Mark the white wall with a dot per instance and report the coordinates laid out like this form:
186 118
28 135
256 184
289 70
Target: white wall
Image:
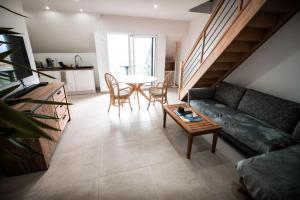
64 32
61 32
275 67
195 28
8 19
173 30
89 59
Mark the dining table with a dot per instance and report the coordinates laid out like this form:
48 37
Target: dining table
136 82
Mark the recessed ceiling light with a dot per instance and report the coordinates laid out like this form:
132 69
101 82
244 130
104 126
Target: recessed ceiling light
81 10
47 8
76 0
155 6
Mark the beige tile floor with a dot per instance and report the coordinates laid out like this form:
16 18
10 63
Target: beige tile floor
101 156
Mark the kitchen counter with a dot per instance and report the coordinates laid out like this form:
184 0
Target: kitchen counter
66 68
79 80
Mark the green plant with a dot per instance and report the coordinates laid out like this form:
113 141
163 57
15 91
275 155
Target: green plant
16 126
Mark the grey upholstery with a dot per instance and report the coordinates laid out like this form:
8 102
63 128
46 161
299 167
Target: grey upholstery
273 176
255 134
279 113
296 132
201 93
259 124
229 94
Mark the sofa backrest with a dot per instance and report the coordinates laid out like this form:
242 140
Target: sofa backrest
229 94
279 113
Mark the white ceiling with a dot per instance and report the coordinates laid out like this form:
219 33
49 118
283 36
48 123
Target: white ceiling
167 9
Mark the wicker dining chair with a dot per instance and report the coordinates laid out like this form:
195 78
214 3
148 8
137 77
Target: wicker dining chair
117 96
160 92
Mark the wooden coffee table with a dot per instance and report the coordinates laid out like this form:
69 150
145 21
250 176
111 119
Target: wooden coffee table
206 126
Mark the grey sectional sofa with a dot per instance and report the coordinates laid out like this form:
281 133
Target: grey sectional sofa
272 176
256 123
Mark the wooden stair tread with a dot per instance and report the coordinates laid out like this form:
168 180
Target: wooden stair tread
279 6
251 34
229 57
212 74
263 20
240 46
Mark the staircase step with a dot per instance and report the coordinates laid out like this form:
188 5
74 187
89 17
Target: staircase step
264 20
205 83
240 46
221 66
229 57
200 84
251 34
279 6
213 74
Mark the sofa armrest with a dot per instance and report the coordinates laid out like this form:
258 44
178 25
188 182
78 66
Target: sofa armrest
201 93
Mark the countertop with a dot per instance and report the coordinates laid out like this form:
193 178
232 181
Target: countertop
66 68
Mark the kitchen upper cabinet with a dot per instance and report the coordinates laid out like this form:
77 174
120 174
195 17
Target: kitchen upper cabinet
76 81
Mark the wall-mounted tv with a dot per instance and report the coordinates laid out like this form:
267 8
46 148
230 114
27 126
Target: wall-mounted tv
9 73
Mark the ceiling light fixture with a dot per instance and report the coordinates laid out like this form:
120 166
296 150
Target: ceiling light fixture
76 0
81 10
47 8
155 6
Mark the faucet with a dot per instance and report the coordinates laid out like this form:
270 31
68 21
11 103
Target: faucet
76 62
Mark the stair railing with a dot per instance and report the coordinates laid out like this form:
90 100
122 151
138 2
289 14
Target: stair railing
219 22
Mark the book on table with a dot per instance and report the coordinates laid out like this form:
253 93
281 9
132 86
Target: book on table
188 117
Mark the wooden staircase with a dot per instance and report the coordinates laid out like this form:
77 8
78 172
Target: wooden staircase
234 31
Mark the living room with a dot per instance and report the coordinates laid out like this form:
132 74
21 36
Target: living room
149 99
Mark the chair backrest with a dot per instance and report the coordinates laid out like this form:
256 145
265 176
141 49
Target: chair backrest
166 83
112 84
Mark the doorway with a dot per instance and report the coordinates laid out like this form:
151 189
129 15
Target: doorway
131 54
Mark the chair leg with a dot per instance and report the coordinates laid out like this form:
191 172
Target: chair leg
149 103
162 104
109 105
130 103
119 106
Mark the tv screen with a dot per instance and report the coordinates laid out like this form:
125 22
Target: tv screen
9 73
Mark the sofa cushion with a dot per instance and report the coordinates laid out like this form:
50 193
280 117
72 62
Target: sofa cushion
296 131
272 176
278 112
253 133
229 94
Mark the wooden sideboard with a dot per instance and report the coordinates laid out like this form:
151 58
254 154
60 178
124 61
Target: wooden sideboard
30 161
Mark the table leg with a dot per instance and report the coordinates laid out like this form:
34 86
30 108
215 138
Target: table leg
189 147
139 89
165 118
214 143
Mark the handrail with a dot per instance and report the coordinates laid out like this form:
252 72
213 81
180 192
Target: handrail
219 21
204 29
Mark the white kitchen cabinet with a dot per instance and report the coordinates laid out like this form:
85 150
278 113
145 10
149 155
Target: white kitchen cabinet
76 81
84 80
55 74
69 80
